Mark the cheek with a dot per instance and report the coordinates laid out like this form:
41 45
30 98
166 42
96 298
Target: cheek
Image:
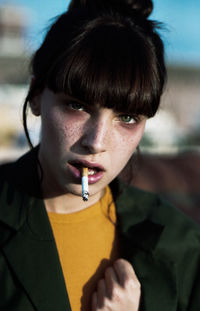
135 137
125 150
60 128
127 142
71 133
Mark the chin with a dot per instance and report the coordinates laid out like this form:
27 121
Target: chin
72 189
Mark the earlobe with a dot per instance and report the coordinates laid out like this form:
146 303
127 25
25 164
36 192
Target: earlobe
35 105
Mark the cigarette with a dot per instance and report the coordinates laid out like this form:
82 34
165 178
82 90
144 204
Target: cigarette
84 181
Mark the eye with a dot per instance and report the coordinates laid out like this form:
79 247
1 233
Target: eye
128 119
76 106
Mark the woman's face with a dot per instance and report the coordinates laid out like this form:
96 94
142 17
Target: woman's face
75 135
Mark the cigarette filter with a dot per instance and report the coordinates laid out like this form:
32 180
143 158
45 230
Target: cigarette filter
84 181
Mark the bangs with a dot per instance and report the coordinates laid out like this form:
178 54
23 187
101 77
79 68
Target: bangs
112 67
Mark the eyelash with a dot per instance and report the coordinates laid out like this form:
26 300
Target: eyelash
73 105
133 119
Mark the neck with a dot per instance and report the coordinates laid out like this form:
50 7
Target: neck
69 203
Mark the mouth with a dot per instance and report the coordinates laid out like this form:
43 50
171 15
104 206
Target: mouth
91 170
95 170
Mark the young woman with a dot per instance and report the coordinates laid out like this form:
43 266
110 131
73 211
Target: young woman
96 79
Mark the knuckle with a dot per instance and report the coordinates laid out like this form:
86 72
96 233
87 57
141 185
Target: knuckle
116 291
128 281
107 304
132 283
138 284
122 263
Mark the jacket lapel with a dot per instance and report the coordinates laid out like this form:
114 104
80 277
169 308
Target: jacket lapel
29 247
35 262
158 279
140 239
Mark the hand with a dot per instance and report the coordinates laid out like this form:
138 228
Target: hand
119 290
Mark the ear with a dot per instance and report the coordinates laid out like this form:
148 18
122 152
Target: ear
35 105
35 101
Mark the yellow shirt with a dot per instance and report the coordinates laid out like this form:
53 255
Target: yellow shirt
87 244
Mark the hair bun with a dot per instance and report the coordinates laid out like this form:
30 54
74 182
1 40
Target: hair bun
144 7
141 7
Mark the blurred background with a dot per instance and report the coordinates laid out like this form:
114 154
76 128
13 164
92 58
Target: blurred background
170 150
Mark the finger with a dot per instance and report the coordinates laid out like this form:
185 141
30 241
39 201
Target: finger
124 271
111 281
94 301
101 293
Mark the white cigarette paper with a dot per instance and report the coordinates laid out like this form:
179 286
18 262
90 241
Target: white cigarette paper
84 181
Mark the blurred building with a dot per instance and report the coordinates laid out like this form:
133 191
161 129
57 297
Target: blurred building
177 125
13 53
13 71
12 28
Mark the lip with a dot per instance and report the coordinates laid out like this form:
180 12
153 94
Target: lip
88 164
93 165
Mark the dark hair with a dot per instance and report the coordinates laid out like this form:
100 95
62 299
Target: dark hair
106 52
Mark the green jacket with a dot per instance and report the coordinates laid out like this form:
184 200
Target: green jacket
161 243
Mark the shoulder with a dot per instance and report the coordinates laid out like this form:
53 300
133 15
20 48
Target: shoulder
5 170
18 181
22 173
177 232
152 205
6 177
19 189
10 176
162 244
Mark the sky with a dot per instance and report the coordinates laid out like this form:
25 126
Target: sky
180 17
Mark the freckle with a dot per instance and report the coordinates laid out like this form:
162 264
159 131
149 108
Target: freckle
70 132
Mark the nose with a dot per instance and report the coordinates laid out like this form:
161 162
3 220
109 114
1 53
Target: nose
96 135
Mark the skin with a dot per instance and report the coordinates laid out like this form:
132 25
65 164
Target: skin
72 130
119 290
